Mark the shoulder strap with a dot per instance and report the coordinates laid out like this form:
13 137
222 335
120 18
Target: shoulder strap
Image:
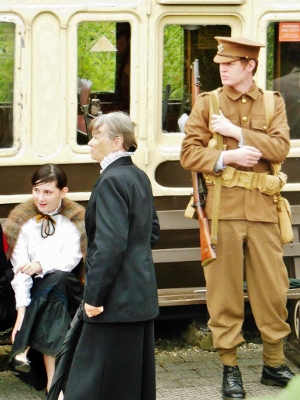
269 105
215 109
270 109
214 98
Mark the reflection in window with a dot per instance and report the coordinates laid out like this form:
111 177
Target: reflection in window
182 45
283 72
7 45
103 71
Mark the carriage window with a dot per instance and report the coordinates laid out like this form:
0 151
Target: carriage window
7 45
103 71
182 45
283 69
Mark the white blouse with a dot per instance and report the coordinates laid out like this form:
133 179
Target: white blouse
61 252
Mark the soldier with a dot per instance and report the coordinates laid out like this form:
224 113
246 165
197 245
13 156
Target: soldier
249 244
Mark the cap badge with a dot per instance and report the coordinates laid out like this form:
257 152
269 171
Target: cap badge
220 48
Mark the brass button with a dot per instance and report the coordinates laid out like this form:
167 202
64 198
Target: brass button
244 119
265 128
244 101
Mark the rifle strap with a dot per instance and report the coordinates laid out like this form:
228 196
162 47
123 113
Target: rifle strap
269 105
215 109
269 108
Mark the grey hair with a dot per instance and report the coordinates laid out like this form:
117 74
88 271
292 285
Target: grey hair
118 123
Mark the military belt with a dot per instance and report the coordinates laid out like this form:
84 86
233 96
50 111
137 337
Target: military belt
263 181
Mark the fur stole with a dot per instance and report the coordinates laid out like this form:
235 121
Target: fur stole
24 211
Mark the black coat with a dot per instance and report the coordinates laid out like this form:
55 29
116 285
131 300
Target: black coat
7 295
122 227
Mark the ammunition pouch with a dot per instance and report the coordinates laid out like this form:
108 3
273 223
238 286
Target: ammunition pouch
284 219
264 182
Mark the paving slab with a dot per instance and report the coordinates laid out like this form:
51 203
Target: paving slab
182 374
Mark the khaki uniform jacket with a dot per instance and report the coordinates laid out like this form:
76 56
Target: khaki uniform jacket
247 111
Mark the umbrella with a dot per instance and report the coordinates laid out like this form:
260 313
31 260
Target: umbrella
64 358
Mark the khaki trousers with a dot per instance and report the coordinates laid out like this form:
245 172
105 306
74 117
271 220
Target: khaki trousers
250 251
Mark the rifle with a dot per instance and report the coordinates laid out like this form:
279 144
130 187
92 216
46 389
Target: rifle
208 253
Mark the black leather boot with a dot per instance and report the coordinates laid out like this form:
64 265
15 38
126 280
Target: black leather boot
232 385
276 376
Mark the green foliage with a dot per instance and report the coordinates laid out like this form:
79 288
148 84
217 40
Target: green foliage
291 392
100 67
97 66
270 55
173 60
7 47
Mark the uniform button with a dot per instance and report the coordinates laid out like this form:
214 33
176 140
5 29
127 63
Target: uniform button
265 128
244 101
244 119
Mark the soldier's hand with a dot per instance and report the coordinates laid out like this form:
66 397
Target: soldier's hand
224 127
246 156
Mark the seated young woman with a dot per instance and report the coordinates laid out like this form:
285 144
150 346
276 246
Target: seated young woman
47 241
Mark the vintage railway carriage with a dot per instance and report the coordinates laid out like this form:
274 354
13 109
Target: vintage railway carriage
62 62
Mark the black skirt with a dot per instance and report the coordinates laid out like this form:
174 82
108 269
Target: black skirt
114 361
54 300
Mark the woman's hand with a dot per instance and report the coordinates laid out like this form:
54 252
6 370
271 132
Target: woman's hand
19 321
92 311
31 268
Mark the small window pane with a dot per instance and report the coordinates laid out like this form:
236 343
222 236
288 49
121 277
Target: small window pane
182 45
7 46
103 71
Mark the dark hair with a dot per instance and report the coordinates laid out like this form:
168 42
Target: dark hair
49 173
245 62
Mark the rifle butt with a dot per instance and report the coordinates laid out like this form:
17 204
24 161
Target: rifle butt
208 260
208 254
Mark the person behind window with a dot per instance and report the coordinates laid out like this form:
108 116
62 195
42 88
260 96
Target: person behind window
123 67
248 237
115 355
47 240
289 87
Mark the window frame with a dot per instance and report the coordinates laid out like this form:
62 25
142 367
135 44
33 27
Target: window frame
20 86
73 72
262 35
170 142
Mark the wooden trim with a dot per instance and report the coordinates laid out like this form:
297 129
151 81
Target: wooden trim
197 295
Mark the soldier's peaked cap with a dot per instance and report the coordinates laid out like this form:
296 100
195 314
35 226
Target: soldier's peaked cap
230 49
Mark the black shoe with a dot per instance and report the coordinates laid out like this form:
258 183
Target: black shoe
22 366
232 385
276 376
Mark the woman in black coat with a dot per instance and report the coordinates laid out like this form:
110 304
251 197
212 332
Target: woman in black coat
115 355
